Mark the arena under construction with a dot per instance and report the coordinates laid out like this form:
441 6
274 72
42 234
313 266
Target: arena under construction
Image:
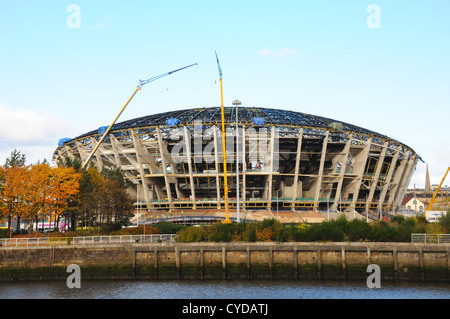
249 157
275 159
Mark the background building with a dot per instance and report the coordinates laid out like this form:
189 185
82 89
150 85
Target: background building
413 205
287 160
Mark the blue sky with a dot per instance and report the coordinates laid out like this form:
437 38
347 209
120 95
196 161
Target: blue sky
317 57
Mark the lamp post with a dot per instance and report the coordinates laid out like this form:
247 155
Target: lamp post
236 103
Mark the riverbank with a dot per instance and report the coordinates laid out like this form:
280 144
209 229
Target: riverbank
236 260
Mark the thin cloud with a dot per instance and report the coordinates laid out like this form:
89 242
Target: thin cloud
25 126
33 133
278 53
104 23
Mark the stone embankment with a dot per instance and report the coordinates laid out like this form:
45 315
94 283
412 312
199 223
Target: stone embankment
267 260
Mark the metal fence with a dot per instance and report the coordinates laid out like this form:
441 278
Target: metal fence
92 240
88 240
430 238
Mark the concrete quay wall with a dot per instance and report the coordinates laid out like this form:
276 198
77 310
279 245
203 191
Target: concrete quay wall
264 260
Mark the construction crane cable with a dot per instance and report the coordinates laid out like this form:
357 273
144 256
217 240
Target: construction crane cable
142 82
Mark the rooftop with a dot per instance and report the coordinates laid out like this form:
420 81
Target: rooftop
212 115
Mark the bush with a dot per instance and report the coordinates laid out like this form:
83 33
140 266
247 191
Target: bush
358 230
169 228
221 232
109 228
139 230
382 232
444 221
398 229
4 233
193 234
328 231
249 233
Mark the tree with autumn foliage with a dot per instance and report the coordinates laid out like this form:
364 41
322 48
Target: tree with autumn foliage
39 190
50 190
65 186
83 196
13 189
102 199
34 192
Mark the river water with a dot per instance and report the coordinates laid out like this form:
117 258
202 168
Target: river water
222 289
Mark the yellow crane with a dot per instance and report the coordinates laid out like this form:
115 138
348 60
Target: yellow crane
430 205
225 185
139 87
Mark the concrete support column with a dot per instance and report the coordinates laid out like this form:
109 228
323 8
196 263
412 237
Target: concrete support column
387 181
97 154
140 167
187 141
270 177
377 173
397 180
342 172
361 167
321 167
82 151
163 151
406 178
216 159
297 166
114 142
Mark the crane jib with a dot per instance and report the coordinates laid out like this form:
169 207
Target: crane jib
142 82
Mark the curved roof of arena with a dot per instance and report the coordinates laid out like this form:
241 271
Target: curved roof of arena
213 115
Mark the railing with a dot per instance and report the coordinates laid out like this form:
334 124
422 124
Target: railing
91 240
88 240
430 238
37 241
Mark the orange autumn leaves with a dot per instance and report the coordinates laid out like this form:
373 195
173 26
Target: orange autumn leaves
30 192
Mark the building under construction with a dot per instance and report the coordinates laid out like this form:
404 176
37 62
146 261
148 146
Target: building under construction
274 158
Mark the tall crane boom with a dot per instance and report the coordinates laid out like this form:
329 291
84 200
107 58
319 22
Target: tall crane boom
430 205
224 150
139 87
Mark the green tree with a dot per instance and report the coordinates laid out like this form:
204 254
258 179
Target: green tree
16 159
68 162
114 173
444 221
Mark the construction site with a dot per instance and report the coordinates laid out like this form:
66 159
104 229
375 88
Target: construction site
237 163
287 162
